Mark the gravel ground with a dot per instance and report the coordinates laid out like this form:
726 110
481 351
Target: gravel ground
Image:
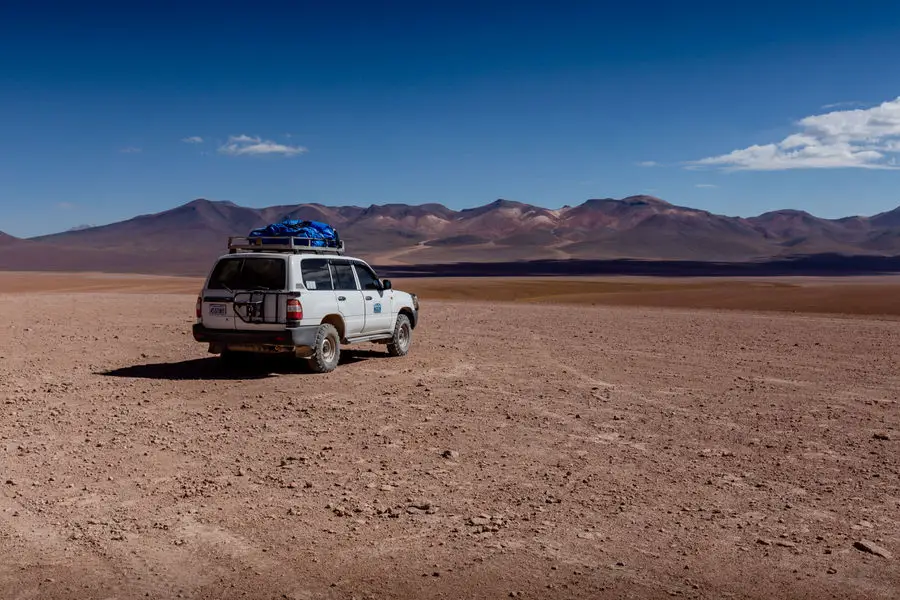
518 451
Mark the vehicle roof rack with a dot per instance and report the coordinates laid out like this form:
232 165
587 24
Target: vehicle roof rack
293 244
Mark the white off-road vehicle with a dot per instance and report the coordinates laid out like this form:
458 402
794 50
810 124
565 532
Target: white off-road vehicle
275 295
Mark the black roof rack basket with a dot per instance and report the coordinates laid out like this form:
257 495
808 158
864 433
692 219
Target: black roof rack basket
290 244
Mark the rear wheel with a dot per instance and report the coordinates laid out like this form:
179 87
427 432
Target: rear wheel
399 344
327 349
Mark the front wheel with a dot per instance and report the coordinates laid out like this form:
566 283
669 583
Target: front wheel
327 349
399 344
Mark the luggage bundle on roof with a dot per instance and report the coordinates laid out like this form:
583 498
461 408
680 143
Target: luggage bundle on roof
291 235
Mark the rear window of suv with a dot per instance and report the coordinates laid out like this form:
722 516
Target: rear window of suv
316 275
249 273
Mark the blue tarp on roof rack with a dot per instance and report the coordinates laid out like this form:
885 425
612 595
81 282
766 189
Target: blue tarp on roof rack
314 233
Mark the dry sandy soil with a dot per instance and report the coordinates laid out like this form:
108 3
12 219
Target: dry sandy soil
539 451
866 295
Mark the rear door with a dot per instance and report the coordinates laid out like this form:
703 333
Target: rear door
247 292
378 301
318 299
348 296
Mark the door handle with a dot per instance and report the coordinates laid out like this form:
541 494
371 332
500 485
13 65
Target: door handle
368 297
341 298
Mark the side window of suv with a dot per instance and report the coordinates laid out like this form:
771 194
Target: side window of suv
367 278
316 275
343 276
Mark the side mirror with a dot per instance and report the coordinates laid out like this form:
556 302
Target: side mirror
386 284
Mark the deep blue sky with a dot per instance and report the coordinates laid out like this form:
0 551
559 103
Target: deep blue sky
547 103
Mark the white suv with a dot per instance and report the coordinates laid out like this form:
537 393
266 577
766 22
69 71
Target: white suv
274 296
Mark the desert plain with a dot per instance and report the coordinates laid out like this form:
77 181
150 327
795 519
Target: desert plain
545 438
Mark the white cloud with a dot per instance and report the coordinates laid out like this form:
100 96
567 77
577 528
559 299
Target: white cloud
859 138
243 138
129 150
194 139
245 145
648 163
706 185
847 104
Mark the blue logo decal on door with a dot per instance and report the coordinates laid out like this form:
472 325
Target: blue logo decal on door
378 307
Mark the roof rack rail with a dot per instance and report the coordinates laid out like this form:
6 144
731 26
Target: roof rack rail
292 244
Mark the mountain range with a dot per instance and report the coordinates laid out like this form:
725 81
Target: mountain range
185 239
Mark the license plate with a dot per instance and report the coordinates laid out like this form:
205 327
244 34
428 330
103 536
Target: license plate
217 310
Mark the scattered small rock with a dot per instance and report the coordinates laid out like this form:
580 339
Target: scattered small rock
487 523
451 454
882 436
785 544
418 508
872 548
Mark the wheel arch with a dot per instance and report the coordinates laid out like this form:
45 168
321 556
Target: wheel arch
409 315
337 321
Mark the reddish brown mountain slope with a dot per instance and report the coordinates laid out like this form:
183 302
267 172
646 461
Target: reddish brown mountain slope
887 219
186 238
7 240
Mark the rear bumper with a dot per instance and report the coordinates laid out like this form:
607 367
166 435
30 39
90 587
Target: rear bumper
294 336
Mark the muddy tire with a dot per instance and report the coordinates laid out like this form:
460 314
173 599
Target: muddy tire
326 351
399 344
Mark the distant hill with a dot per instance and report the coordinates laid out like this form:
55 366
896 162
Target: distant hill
185 239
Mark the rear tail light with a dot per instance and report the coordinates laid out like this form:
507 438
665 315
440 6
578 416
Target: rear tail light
294 311
199 307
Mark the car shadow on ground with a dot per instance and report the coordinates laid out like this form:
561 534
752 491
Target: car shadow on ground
212 368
